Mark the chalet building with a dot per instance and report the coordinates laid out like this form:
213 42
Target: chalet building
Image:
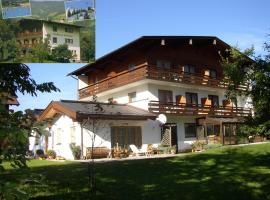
34 31
176 78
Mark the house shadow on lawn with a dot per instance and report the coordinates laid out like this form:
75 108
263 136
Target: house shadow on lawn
227 174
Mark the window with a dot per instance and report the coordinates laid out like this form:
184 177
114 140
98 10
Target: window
69 30
110 100
58 136
163 64
189 69
213 129
213 73
192 99
54 40
165 96
131 97
68 41
73 134
214 100
123 136
190 130
54 28
131 67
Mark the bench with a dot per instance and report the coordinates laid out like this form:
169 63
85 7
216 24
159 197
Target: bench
98 152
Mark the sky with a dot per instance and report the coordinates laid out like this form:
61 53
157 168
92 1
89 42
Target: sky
237 22
78 4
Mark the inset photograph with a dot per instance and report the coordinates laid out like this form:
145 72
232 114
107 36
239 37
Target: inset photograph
15 8
47 36
79 10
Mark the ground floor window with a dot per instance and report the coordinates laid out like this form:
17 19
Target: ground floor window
230 130
213 129
190 130
123 136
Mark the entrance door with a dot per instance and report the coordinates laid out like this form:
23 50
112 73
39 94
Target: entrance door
171 129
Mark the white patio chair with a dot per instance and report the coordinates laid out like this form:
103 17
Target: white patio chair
142 151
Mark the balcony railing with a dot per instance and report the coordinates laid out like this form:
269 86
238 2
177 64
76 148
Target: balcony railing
188 78
151 72
114 82
29 34
196 110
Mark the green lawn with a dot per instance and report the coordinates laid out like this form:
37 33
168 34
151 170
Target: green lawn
224 173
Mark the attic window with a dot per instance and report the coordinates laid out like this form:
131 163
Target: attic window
163 64
213 73
189 69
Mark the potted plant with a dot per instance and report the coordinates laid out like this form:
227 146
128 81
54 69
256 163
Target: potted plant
173 149
51 154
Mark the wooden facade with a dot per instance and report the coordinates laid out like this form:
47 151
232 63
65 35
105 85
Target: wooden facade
154 73
150 58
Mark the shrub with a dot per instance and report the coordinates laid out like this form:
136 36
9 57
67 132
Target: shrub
39 152
76 151
198 145
51 154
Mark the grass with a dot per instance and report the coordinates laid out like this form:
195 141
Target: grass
222 173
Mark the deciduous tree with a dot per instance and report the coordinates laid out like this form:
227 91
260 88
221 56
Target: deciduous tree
240 70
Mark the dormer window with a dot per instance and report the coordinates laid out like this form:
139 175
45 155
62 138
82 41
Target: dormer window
163 64
189 69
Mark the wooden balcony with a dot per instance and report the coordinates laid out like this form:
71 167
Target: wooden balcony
114 82
152 72
187 78
29 34
196 110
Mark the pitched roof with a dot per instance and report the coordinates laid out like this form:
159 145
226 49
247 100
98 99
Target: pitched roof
78 110
144 40
8 99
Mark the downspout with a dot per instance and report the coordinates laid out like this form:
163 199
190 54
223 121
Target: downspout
223 133
81 140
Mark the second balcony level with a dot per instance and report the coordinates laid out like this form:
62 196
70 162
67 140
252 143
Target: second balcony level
187 60
151 72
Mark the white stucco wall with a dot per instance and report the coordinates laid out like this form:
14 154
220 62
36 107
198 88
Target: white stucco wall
150 134
61 35
35 144
121 97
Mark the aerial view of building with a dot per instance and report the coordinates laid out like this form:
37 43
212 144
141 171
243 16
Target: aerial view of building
34 31
175 80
